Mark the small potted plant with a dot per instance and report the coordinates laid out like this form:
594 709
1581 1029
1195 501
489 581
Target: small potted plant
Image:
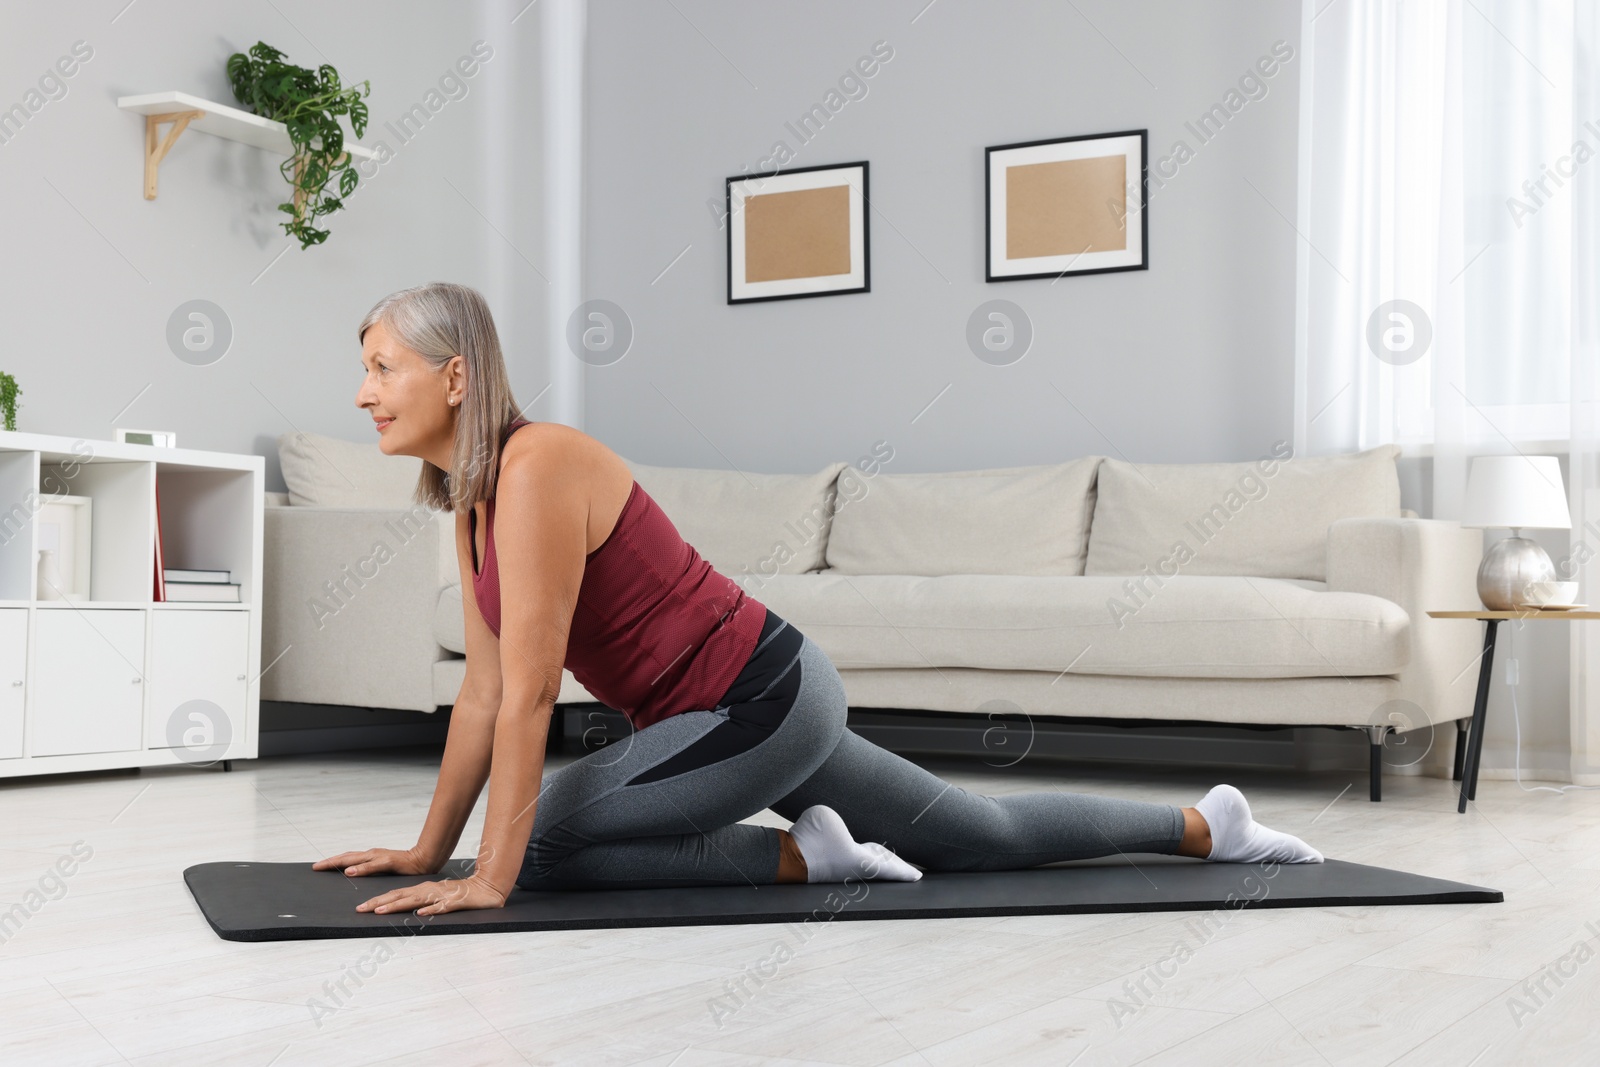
8 399
309 103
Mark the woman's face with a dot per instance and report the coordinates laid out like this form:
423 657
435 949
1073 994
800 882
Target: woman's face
409 400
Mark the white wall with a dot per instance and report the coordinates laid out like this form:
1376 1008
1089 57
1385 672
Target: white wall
93 271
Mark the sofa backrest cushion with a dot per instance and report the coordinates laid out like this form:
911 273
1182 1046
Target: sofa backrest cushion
1264 518
324 471
1003 520
746 522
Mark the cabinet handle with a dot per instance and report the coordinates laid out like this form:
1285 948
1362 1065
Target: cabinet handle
136 681
241 678
17 682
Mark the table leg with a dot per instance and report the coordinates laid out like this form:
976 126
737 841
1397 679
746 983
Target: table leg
1480 708
1461 750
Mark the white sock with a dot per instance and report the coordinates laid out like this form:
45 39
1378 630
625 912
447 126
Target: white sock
832 855
1236 837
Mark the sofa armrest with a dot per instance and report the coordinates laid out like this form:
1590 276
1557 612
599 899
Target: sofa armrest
1423 565
348 601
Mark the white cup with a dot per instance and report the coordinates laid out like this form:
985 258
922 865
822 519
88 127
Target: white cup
1547 594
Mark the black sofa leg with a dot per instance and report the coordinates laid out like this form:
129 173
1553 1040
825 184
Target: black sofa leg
1375 736
1461 749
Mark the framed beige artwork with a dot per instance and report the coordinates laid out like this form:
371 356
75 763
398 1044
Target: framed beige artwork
1072 205
801 232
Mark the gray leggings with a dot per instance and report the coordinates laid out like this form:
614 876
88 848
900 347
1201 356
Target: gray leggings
594 830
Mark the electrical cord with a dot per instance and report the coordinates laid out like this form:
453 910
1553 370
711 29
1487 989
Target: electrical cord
1516 719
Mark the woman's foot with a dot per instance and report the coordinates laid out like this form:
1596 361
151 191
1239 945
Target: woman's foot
1237 838
832 855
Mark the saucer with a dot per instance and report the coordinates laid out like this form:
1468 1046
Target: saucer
1550 607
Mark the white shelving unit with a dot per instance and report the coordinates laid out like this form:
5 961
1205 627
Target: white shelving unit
117 679
185 111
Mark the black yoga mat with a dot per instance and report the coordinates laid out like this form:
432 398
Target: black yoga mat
291 902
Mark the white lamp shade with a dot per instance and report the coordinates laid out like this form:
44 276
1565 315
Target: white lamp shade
1520 491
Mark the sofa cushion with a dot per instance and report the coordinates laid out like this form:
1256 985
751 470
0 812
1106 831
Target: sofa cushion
745 522
1265 518
1004 520
1190 626
327 472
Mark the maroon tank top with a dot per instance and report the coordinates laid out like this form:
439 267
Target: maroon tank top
656 630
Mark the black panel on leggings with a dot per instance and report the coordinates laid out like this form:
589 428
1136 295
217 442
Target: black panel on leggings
750 720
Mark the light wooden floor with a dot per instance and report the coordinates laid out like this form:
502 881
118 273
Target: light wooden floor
118 966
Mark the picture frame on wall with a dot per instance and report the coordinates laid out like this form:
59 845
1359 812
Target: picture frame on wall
1068 205
798 233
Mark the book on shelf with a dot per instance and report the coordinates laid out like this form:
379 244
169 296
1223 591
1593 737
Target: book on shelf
187 574
193 592
160 591
189 584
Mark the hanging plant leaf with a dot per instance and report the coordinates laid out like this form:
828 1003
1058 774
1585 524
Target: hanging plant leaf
309 104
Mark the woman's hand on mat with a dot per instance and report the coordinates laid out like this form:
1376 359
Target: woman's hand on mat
378 861
436 898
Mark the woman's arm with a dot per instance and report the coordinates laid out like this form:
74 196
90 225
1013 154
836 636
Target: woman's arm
541 531
470 742
542 518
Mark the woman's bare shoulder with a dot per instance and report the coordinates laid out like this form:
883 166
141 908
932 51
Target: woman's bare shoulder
557 439
602 468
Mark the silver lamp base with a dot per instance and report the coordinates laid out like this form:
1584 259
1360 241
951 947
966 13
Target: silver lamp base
1507 568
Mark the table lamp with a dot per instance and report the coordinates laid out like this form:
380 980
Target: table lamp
1517 492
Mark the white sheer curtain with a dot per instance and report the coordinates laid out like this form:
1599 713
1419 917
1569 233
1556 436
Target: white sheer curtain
1449 216
1584 477
1381 205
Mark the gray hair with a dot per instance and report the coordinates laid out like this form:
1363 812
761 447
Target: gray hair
438 321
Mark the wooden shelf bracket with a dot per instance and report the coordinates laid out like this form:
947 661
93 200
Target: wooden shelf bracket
156 149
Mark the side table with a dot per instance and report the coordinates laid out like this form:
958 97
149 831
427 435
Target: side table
1469 777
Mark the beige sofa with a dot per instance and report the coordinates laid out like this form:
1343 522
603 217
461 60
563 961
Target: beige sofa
1272 592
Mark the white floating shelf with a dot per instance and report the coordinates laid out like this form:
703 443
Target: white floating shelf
223 121
207 116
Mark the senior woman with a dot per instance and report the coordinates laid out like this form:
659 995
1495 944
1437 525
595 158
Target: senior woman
566 561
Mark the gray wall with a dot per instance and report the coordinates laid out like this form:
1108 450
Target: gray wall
93 271
1190 360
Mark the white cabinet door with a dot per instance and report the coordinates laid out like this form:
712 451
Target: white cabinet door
87 681
197 682
13 675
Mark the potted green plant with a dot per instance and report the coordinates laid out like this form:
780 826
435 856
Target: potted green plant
8 399
309 103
